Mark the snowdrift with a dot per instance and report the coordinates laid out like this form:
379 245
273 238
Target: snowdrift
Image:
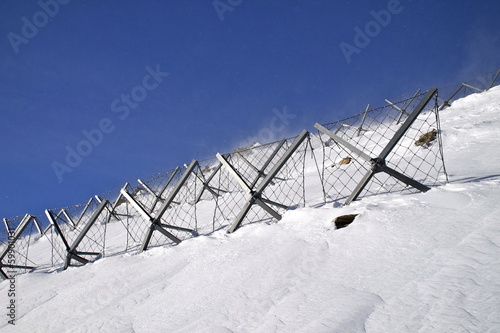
425 262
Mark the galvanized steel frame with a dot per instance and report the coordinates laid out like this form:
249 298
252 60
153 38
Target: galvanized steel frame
256 192
71 250
378 164
11 244
155 221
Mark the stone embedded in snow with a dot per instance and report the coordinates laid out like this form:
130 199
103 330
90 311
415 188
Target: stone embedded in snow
344 220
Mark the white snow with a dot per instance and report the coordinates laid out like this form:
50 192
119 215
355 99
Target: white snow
427 262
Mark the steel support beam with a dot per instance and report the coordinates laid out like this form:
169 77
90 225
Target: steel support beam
494 79
222 159
90 223
146 187
71 250
164 188
37 225
171 196
343 142
206 182
53 223
403 110
11 244
69 219
256 194
472 87
6 224
378 164
446 103
360 129
73 253
112 210
84 211
155 221
409 121
149 218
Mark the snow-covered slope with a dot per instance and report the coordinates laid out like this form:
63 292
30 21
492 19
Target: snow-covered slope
415 263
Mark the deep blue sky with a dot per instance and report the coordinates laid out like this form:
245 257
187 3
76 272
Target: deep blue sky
226 79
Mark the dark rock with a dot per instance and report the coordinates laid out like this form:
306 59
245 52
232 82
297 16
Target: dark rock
344 220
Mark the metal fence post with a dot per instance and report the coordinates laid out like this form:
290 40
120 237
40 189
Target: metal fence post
11 243
155 221
84 211
73 253
446 103
206 182
494 79
403 110
378 164
472 87
256 194
360 129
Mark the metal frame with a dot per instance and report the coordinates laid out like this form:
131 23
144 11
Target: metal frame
494 79
158 196
37 225
11 243
361 129
403 110
446 102
72 252
206 184
155 221
378 164
111 211
6 224
256 193
84 211
68 218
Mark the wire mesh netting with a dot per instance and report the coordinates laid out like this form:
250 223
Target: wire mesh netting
15 240
252 165
115 226
208 193
162 195
82 227
129 217
179 217
417 153
483 82
208 196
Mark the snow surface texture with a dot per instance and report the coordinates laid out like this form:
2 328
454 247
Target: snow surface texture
425 262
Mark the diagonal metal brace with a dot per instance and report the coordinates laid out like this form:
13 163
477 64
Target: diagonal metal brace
256 194
73 253
205 182
154 224
11 243
155 221
378 164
